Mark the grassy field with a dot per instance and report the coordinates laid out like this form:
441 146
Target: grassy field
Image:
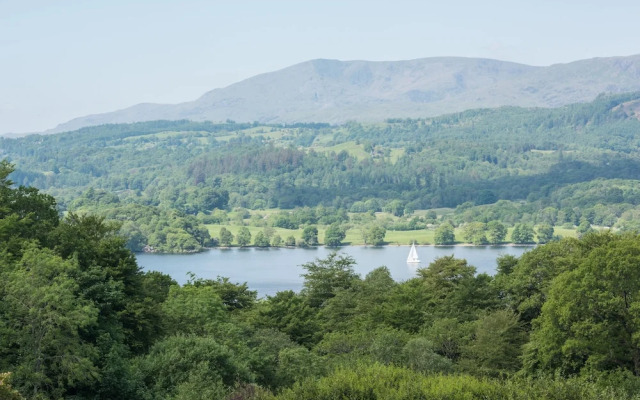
354 236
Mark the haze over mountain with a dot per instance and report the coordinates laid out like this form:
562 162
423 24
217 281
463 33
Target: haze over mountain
337 91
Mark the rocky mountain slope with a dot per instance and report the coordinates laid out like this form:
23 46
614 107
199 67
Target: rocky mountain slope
338 91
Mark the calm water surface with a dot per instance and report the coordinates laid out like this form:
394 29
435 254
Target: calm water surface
272 270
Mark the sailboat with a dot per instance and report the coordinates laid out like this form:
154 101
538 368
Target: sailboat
413 255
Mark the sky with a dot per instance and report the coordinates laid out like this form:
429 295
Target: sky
64 59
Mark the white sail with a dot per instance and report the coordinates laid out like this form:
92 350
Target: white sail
413 255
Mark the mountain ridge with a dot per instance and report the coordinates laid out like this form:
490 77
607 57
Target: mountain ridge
325 90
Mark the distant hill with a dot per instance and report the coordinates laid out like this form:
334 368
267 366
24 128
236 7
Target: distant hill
338 91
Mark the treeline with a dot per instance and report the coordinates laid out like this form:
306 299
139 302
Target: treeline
480 156
568 166
80 320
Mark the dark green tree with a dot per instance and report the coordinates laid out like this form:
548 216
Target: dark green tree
522 234
334 235
310 236
324 277
243 237
374 235
497 342
290 241
290 313
276 240
496 232
261 240
444 234
226 237
544 233
591 317
474 232
47 321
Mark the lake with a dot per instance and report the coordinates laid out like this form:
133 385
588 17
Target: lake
275 269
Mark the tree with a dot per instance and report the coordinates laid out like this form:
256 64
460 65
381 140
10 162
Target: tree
473 232
374 235
325 276
444 234
525 284
47 320
235 296
544 233
276 240
584 227
334 235
448 336
261 240
243 237
289 312
290 241
297 363
395 207
6 391
497 343
193 309
310 236
522 234
419 355
180 364
226 237
496 232
453 290
591 319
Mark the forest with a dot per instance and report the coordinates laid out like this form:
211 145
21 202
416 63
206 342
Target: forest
172 185
80 320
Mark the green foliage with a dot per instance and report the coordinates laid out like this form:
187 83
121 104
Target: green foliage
448 336
525 284
334 235
584 227
150 228
261 240
47 321
296 364
474 232
324 276
6 391
78 319
234 296
226 237
590 320
243 237
310 236
444 234
193 309
453 290
522 234
376 381
276 241
544 233
374 235
496 232
157 176
497 342
290 313
181 365
419 355
290 241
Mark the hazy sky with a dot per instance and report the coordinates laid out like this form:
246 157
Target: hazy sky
64 59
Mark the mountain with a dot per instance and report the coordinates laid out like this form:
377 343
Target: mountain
337 91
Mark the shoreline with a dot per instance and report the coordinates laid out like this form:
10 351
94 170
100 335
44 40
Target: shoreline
337 248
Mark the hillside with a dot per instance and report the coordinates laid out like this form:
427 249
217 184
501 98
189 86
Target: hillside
337 91
570 167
